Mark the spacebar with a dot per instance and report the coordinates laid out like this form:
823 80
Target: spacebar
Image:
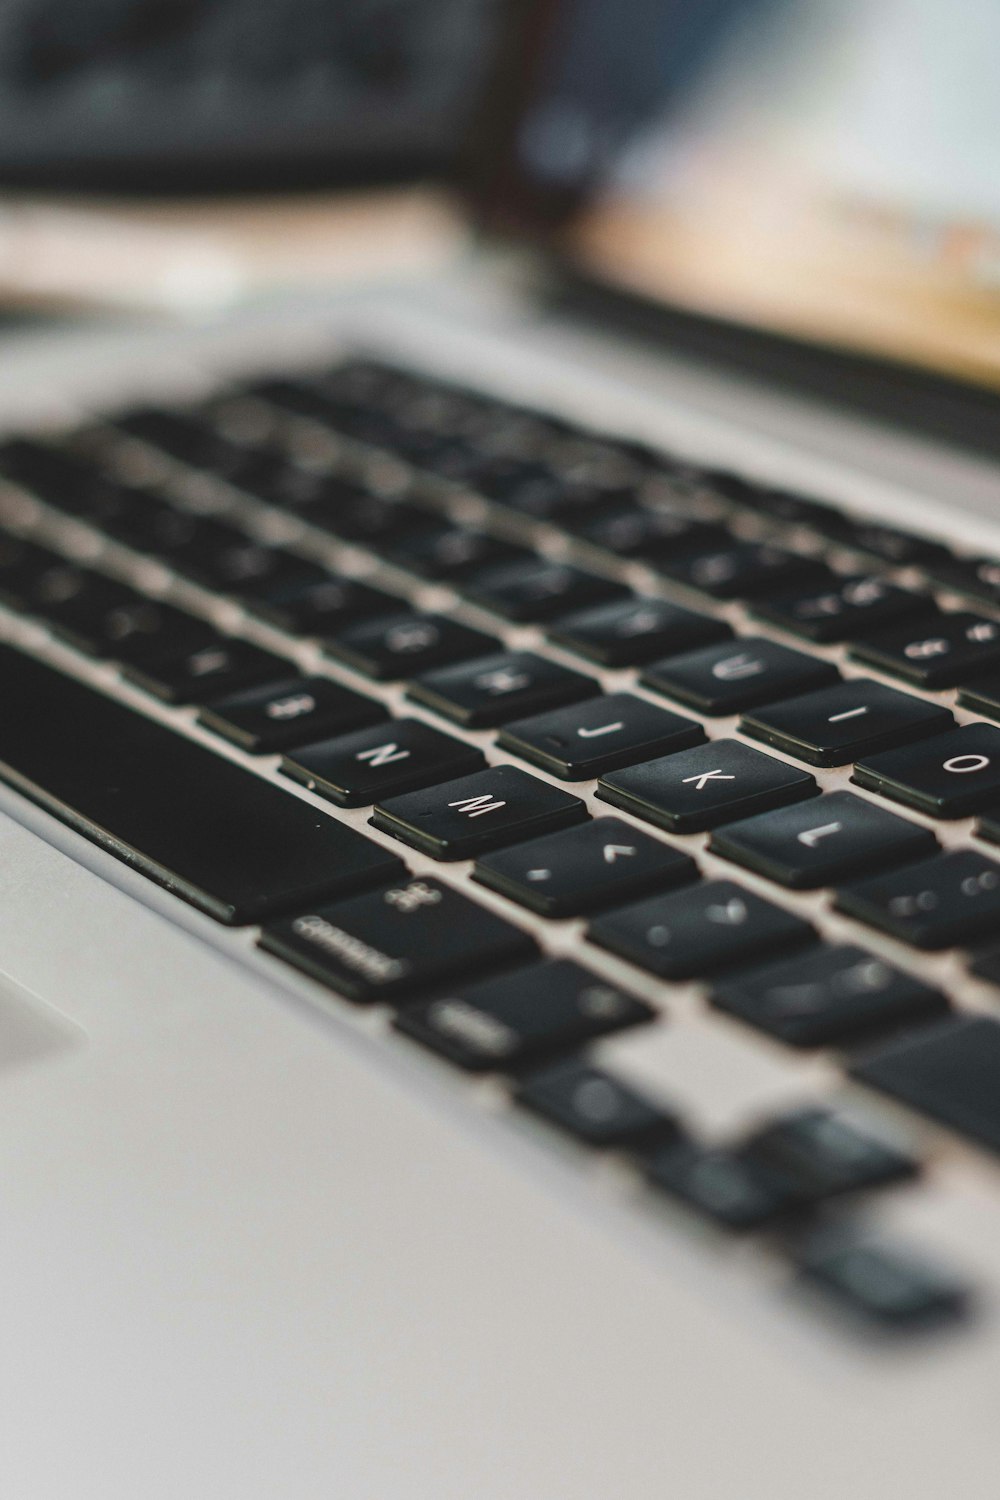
229 842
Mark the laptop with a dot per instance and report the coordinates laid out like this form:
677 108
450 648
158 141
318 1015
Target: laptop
500 796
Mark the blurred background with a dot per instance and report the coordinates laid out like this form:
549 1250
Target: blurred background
185 153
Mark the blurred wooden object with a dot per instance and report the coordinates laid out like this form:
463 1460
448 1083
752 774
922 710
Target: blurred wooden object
193 257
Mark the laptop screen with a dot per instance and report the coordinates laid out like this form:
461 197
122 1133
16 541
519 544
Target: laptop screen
823 169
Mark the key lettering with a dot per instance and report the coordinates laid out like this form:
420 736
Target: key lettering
475 807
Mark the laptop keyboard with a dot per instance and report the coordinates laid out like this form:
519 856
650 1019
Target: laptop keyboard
481 731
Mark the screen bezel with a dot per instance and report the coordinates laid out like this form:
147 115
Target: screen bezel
508 206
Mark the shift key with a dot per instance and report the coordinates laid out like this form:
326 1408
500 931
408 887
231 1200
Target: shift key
232 844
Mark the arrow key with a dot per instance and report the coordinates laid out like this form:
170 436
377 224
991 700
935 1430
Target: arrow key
584 869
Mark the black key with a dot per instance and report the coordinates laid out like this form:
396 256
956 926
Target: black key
845 722
935 653
722 679
354 515
220 837
978 577
948 1071
600 863
900 548
851 607
599 734
981 696
539 590
182 435
156 527
495 689
952 898
267 719
742 570
79 606
522 1016
891 1289
989 828
986 965
417 935
406 644
214 670
140 627
722 1186
451 553
822 1155
818 843
22 564
827 995
641 532
630 631
697 789
460 819
689 933
322 608
949 776
593 1106
358 769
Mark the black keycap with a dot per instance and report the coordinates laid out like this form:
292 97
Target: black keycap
643 533
842 723
722 1186
826 995
742 570
236 564
699 930
821 1155
522 1016
949 776
935 653
220 837
593 1106
891 1289
821 842
323 608
357 516
952 898
495 689
485 810
76 605
405 645
986 965
900 548
22 563
139 628
588 738
697 789
723 679
153 525
982 697
451 553
630 631
356 770
415 936
267 719
852 607
211 671
948 1071
598 864
539 590
978 577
